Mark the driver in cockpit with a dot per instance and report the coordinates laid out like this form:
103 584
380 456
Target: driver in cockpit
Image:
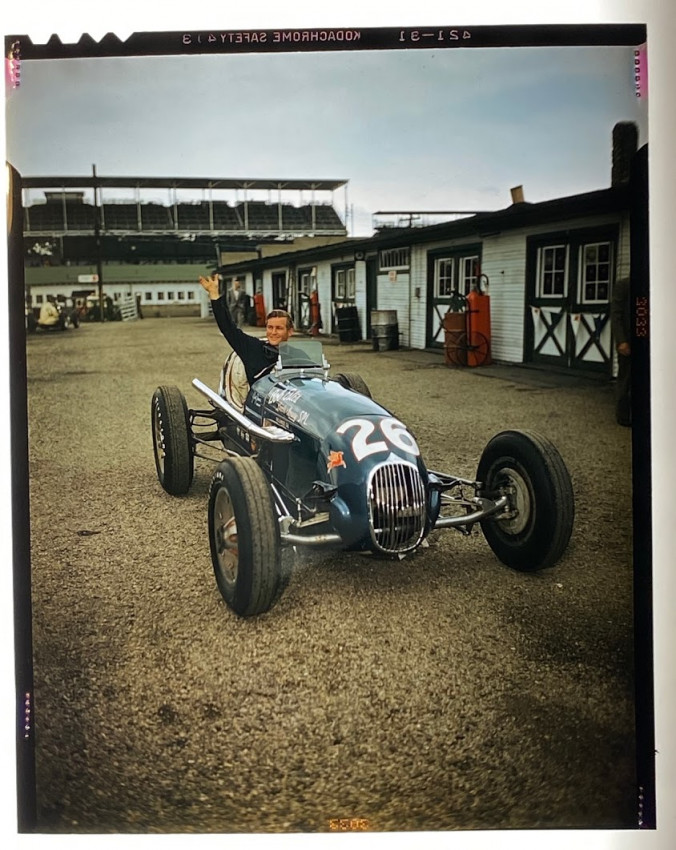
251 357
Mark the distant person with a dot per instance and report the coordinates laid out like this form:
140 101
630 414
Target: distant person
253 357
620 320
50 315
237 303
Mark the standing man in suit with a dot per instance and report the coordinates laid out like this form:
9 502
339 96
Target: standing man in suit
236 302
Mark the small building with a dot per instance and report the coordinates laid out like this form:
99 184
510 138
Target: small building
548 267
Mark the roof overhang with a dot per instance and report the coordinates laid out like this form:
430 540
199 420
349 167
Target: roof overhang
178 183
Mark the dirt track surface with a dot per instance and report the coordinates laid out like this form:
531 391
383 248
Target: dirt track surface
440 692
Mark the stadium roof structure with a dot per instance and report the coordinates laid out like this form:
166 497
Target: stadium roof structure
90 181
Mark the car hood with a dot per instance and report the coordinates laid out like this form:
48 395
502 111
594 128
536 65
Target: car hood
311 404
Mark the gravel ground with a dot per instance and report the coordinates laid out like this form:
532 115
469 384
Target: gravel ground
440 692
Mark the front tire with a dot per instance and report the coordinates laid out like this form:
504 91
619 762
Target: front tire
244 537
352 381
172 445
527 467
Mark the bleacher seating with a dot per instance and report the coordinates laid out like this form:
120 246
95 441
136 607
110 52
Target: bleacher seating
156 217
196 217
80 216
45 217
327 218
193 216
294 218
259 215
120 217
226 217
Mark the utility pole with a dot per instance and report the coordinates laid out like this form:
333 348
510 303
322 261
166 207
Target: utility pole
97 241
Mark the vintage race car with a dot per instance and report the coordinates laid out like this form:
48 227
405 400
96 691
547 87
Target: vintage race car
312 460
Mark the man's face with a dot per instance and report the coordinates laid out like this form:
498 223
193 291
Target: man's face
277 330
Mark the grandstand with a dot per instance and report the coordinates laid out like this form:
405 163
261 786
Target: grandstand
76 227
69 212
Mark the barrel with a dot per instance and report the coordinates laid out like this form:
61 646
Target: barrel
384 330
347 320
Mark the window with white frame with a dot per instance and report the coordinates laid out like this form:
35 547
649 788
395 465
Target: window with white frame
443 277
191 296
305 282
552 271
147 296
341 284
394 258
180 295
160 296
469 272
351 288
170 296
595 272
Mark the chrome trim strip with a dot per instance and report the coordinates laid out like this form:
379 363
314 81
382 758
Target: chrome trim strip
271 433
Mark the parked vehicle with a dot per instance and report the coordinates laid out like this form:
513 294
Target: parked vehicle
314 461
69 318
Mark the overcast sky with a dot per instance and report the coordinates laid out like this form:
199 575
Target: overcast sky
435 130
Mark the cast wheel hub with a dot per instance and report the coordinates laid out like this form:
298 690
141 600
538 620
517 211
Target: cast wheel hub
225 533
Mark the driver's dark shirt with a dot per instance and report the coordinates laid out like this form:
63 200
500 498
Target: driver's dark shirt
257 355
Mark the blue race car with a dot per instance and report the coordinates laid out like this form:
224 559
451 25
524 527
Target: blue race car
312 460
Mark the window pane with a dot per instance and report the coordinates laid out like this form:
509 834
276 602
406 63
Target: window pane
597 271
547 284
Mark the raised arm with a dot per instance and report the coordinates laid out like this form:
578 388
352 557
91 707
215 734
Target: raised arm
212 286
253 352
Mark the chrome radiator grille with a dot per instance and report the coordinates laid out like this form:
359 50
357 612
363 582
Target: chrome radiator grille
396 503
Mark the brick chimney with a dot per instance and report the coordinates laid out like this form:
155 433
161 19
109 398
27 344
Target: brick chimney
625 145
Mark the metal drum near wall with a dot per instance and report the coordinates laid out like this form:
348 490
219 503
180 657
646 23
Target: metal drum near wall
347 321
384 330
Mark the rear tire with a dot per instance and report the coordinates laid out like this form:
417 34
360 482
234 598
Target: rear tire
244 537
528 467
172 444
352 381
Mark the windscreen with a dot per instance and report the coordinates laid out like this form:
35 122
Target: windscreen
300 354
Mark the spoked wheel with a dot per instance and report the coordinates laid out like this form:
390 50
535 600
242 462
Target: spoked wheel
455 349
172 445
352 381
463 349
528 468
477 349
244 537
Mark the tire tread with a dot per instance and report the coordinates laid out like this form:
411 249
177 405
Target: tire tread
178 460
258 585
561 492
